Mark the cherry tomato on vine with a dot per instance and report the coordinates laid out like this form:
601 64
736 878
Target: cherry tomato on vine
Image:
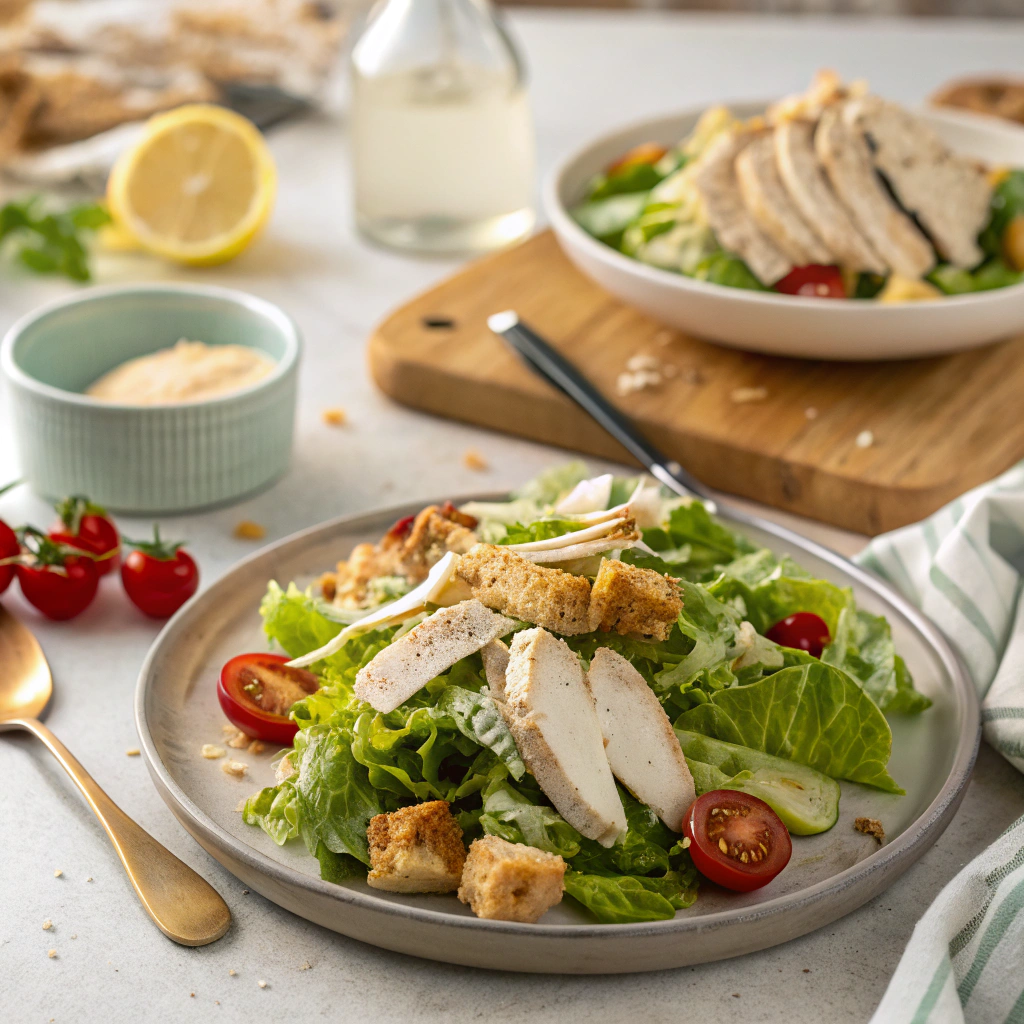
803 630
814 281
736 840
55 577
86 526
9 548
256 692
158 576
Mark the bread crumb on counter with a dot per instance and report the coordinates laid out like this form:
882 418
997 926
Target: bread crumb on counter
133 752
234 768
57 872
256 747
865 439
473 460
743 396
47 925
51 953
261 983
232 971
305 966
89 879
211 751
248 530
871 827
335 417
238 739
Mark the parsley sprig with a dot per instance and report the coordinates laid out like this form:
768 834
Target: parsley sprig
49 241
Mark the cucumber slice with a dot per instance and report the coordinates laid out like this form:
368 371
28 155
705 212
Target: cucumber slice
806 800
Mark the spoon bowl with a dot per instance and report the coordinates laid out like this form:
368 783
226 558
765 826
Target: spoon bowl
184 906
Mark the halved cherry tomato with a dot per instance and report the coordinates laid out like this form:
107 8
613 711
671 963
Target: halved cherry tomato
736 840
815 281
803 630
256 692
158 576
9 548
645 153
87 527
54 578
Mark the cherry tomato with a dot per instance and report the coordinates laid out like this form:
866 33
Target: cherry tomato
87 527
645 153
256 692
736 840
803 630
815 281
401 529
9 548
158 576
60 591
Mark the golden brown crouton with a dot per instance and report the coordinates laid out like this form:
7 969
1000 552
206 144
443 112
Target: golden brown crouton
870 827
511 882
634 601
509 583
416 849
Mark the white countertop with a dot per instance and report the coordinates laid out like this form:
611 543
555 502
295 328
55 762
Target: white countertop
589 71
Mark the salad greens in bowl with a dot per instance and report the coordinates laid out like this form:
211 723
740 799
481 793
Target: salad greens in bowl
831 224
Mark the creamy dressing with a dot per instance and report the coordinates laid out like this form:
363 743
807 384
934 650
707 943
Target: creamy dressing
190 371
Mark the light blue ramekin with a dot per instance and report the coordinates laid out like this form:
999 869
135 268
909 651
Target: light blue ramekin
148 459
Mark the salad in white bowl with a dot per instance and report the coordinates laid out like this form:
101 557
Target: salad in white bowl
591 690
833 224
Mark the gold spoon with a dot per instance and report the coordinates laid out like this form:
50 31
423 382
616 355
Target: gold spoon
184 906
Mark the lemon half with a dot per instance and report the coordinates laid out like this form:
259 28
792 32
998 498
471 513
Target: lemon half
197 187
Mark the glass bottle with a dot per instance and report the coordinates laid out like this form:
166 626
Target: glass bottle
442 137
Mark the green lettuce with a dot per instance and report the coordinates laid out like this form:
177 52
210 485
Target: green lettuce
812 713
623 899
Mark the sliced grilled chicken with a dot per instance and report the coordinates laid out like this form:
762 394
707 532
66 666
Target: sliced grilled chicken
641 747
769 204
734 227
948 193
551 714
427 650
805 182
495 655
846 158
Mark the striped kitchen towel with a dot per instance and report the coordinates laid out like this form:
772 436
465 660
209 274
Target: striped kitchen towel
963 567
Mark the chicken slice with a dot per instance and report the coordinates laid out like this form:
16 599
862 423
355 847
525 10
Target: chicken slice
769 204
551 714
641 747
495 655
734 227
948 193
801 174
847 160
427 650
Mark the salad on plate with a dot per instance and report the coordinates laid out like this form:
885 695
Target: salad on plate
834 193
591 690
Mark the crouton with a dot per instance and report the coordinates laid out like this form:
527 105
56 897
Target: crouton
509 583
506 881
551 714
427 650
416 849
632 601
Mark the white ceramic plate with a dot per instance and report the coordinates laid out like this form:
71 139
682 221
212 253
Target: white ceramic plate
829 875
783 324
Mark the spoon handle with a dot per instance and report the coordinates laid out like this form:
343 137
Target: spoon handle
183 905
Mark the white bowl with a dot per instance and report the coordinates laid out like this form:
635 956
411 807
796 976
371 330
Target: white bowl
783 324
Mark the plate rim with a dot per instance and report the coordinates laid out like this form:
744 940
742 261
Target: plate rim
900 851
564 225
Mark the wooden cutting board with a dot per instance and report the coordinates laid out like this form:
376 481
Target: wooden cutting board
939 426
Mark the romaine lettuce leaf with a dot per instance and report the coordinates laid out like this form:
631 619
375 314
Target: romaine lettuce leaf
621 899
517 819
477 717
276 810
813 714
